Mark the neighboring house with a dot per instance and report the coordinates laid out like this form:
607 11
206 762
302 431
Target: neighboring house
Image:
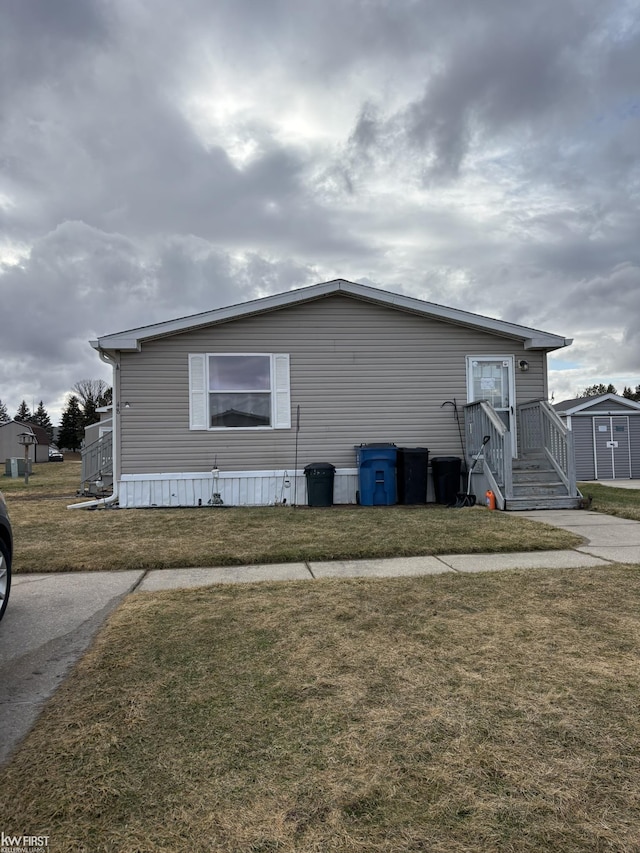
97 450
42 447
606 436
95 431
10 447
230 405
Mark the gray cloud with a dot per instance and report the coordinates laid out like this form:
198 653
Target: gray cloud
163 158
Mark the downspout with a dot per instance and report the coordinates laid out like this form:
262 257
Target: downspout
104 502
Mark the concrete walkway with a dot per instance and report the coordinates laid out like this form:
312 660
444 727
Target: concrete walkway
609 538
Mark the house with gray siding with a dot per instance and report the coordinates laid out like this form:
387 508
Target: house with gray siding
97 430
11 448
97 457
229 406
606 436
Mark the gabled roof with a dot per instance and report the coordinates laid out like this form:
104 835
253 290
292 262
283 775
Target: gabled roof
38 431
583 404
26 426
133 338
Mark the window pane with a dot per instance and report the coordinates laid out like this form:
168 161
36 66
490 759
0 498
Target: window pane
491 383
239 373
240 410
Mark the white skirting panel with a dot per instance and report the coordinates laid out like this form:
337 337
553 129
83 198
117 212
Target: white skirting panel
229 488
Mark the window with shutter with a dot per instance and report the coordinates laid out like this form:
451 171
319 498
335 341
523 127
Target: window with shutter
239 391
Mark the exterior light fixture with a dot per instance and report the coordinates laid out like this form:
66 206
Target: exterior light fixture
523 365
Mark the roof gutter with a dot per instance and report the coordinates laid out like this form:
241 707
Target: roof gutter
105 502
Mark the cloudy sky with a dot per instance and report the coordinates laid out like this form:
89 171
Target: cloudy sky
160 158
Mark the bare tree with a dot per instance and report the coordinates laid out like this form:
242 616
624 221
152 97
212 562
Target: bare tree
91 394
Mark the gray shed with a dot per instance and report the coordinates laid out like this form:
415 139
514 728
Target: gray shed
10 447
606 436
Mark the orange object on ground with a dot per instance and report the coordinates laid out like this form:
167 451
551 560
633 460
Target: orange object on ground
491 499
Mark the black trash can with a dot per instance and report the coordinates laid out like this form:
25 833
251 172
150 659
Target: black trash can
412 475
320 477
446 478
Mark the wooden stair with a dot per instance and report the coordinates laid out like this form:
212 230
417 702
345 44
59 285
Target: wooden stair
536 485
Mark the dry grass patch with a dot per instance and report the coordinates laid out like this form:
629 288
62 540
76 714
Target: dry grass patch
47 480
448 714
51 538
624 503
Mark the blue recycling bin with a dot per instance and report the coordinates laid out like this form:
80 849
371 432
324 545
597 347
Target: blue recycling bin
377 474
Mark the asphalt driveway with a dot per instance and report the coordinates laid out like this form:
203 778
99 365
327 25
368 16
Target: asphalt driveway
49 623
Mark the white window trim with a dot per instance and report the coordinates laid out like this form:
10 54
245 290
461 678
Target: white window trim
199 392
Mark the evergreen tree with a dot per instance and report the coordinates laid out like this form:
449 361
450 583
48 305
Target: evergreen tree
24 413
4 413
71 425
598 390
41 418
632 395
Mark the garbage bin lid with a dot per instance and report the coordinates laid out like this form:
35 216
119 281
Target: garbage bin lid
323 465
378 444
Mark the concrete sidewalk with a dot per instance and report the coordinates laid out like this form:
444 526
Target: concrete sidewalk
607 539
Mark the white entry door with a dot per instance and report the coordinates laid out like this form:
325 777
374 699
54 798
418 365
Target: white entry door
491 378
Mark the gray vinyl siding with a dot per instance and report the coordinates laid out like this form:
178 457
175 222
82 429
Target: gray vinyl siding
582 429
608 406
359 372
634 438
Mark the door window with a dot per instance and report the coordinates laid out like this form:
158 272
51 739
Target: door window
491 378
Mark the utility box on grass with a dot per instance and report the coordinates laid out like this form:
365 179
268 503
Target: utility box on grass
14 467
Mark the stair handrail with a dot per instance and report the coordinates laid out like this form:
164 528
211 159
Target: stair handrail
97 458
481 419
541 428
